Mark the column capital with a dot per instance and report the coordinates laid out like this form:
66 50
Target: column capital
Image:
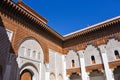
80 53
102 48
47 67
112 69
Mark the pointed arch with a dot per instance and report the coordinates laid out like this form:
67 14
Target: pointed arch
91 52
29 70
112 49
42 45
26 75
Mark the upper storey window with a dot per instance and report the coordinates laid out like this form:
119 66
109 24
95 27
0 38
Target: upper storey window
117 54
9 33
28 52
73 63
93 59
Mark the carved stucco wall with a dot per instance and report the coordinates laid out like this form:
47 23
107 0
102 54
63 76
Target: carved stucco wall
111 46
28 59
72 55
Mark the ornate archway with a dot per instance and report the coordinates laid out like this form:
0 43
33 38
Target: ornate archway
26 75
31 49
30 54
43 46
30 71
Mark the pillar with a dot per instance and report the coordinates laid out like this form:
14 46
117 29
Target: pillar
88 77
7 72
18 62
67 77
40 66
84 74
47 73
108 73
10 63
64 67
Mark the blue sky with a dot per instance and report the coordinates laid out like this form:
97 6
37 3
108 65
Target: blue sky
66 16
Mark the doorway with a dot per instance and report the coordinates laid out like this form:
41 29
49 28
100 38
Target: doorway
75 76
26 75
117 73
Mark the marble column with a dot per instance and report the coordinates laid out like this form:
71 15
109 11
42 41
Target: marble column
88 77
47 74
64 67
7 72
10 63
108 73
67 77
40 66
84 74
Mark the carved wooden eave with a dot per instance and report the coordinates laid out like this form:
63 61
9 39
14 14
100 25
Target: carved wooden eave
24 6
76 40
10 7
97 34
92 28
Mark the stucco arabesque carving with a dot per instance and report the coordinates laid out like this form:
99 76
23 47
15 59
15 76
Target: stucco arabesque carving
102 49
80 53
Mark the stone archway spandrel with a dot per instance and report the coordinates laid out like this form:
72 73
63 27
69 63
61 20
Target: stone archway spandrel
42 44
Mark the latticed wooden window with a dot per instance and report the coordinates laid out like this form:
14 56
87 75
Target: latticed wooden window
117 54
93 59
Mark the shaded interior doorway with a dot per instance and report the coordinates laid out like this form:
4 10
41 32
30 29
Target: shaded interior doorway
75 76
0 72
97 75
26 75
116 73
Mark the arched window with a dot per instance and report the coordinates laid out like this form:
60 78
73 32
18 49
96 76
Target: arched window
52 76
93 59
28 52
22 51
117 54
73 63
34 54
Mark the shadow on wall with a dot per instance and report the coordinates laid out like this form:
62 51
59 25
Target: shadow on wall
8 64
